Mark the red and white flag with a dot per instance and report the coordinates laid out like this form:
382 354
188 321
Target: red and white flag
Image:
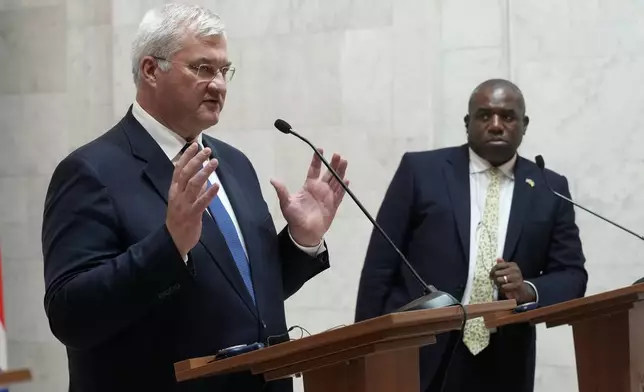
3 331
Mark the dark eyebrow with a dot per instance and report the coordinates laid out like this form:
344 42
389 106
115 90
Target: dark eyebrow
500 111
506 112
483 110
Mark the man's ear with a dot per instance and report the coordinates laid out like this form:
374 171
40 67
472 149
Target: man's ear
466 120
148 67
526 121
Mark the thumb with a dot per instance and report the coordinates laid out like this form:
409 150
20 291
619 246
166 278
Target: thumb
282 192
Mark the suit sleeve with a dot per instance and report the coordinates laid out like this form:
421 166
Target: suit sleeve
96 286
298 267
564 277
382 262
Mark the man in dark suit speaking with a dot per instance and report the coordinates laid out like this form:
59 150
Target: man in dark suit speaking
480 223
158 245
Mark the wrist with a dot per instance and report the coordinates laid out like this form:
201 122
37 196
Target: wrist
180 249
304 240
527 293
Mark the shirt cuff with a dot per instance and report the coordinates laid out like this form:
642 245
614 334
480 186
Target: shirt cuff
536 293
310 250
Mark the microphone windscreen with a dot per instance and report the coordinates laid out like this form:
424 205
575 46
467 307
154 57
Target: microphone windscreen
540 163
282 126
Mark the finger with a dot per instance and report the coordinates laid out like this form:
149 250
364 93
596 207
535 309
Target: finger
316 165
499 263
335 162
501 269
339 196
204 189
341 171
512 272
204 199
336 187
512 277
192 167
510 287
187 155
337 190
196 183
282 193
494 272
342 168
516 277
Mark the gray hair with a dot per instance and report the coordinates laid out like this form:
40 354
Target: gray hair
162 30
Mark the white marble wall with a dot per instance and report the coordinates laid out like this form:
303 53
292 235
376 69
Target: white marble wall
366 78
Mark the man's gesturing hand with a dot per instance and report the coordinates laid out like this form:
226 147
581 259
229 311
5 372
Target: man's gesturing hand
189 196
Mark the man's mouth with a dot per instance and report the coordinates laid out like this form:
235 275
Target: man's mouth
212 103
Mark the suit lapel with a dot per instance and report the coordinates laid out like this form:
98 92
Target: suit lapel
521 198
241 208
458 185
158 169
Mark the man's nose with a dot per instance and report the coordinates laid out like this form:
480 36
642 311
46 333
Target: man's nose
217 84
496 121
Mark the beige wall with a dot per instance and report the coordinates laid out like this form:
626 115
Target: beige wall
367 78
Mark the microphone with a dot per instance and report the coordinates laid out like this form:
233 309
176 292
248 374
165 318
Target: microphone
541 165
432 298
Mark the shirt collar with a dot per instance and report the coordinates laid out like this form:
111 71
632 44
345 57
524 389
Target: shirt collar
169 141
480 165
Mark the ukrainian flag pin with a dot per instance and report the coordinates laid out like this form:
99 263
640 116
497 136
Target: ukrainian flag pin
530 182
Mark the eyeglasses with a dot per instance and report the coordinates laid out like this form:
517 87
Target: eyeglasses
206 73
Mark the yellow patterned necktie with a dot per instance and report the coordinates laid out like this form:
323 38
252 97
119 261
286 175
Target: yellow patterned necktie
476 336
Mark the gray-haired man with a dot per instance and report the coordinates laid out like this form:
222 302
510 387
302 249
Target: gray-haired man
158 245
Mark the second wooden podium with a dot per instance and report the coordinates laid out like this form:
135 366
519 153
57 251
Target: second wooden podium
376 355
608 329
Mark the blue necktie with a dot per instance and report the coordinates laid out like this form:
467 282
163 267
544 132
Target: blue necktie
229 232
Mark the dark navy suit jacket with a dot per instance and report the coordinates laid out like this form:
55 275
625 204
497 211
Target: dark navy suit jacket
426 211
119 295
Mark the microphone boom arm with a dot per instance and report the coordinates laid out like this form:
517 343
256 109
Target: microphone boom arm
542 166
597 215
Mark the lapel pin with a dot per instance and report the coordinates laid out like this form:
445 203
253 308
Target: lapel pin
530 182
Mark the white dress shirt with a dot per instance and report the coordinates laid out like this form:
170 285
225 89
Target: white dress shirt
479 181
171 144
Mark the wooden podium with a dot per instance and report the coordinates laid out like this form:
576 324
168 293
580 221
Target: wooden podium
14 376
375 355
608 330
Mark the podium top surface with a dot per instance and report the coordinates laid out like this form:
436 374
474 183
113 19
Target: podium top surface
575 310
387 328
10 377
